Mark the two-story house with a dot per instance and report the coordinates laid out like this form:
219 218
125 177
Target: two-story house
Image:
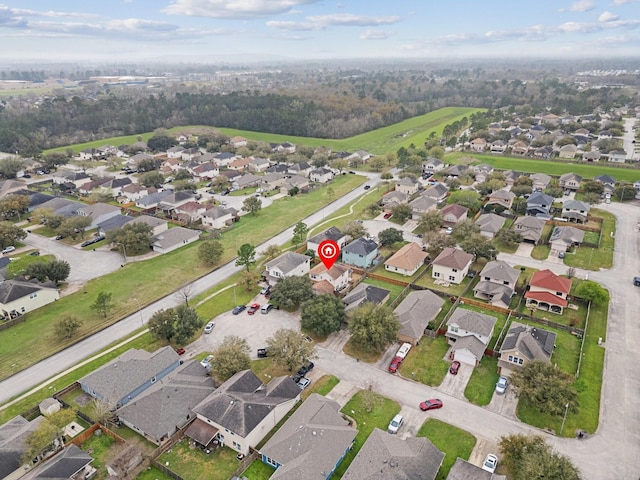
408 186
478 145
539 204
530 228
438 192
548 292
608 182
570 181
575 211
497 283
362 253
540 181
422 205
335 279
321 175
523 344
468 333
287 265
99 212
303 169
394 198
432 165
219 217
504 198
453 214
407 260
19 296
258 164
452 265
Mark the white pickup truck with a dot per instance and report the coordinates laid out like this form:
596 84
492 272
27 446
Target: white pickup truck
403 350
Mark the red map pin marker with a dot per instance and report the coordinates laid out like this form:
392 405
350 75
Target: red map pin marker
328 251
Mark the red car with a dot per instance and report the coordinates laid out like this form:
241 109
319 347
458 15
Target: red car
253 308
180 350
455 366
388 215
395 364
431 404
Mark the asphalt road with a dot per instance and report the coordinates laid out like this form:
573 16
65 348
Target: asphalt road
38 373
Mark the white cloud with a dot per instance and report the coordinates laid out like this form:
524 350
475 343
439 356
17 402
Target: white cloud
582 6
233 8
21 12
618 3
291 25
607 17
375 35
321 22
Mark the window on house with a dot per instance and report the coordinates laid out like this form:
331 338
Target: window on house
33 295
519 361
453 328
487 279
23 310
454 270
559 294
271 462
505 282
237 446
452 278
510 357
436 274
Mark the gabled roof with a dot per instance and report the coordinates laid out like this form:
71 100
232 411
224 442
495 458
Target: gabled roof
539 198
533 342
530 222
311 441
149 220
63 466
500 270
153 198
416 311
13 436
408 257
471 321
243 401
114 223
124 374
332 233
568 235
97 209
407 181
423 203
336 270
576 205
361 246
173 236
453 258
490 222
436 191
454 209
17 288
570 176
471 343
549 280
365 293
388 457
502 195
605 179
287 261
219 212
541 178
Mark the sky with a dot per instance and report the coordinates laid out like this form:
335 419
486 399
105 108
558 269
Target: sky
245 30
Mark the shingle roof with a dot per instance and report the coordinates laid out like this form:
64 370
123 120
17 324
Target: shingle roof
16 288
287 262
219 212
533 342
436 191
121 376
389 457
501 271
463 470
423 203
311 442
549 280
408 257
490 222
332 233
365 293
173 236
242 402
63 466
576 205
471 321
336 270
361 246
471 343
453 258
567 235
539 198
454 209
416 311
114 223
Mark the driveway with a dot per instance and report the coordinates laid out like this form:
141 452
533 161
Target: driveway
504 404
454 385
524 249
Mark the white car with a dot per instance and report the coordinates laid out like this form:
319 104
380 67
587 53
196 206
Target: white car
8 249
303 383
403 350
449 231
208 328
490 463
206 362
395 424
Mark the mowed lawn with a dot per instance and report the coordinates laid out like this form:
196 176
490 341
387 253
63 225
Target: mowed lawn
452 441
145 282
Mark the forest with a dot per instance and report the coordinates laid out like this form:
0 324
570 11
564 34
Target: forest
330 105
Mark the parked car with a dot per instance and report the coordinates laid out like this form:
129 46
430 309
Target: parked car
388 215
296 378
206 362
93 240
8 249
238 309
367 187
265 290
501 386
263 352
208 328
253 308
455 366
303 383
403 350
490 463
561 255
35 253
431 404
266 308
306 367
636 281
180 350
448 231
395 424
395 364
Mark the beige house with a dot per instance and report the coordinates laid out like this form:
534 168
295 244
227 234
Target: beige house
287 265
338 276
453 214
452 265
414 314
218 217
242 411
503 198
407 185
478 145
19 296
524 344
570 181
157 225
568 151
407 260
548 292
469 333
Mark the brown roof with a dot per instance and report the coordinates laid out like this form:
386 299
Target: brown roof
455 209
322 287
336 271
453 258
408 257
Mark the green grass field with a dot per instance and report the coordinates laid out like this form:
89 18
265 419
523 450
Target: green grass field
452 441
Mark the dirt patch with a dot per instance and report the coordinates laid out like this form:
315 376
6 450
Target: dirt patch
71 287
83 399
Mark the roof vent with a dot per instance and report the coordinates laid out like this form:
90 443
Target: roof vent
314 433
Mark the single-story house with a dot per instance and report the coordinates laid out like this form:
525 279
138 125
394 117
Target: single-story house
99 212
394 198
311 443
362 252
548 291
13 437
468 333
287 265
490 224
523 344
364 293
617 156
258 165
303 169
152 200
127 376
540 181
242 411
72 463
174 238
158 225
414 314
113 223
247 180
332 233
497 283
407 260
563 238
452 265
422 205
18 296
453 214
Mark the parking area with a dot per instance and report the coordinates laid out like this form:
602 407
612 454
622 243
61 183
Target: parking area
255 329
504 405
454 385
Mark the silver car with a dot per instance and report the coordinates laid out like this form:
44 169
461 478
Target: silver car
395 424
501 386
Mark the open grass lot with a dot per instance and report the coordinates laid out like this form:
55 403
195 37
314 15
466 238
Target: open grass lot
482 383
321 386
586 170
452 441
194 464
176 268
379 416
426 363
145 342
258 470
596 258
355 351
541 252
571 317
380 270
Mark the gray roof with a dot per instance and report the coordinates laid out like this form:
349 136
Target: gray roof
361 246
168 404
490 222
416 311
407 181
471 321
311 442
177 197
423 203
568 235
576 205
13 436
287 261
122 375
605 179
453 258
463 470
219 212
436 191
533 342
540 178
363 293
502 195
539 198
173 236
242 402
149 220
247 179
63 466
16 288
388 457
471 343
114 223
153 199
332 233
500 271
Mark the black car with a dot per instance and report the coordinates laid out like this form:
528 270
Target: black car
263 352
238 309
296 378
35 253
367 187
306 368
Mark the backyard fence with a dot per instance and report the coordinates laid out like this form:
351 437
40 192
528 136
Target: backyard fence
584 339
10 323
165 470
